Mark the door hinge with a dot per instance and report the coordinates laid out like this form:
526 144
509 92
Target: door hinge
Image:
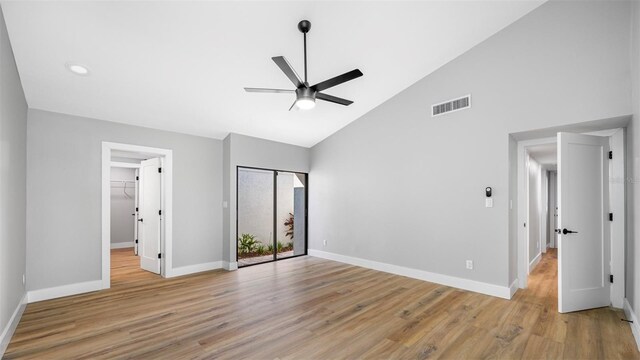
159 169
610 154
159 256
611 278
610 216
159 212
137 178
136 241
136 209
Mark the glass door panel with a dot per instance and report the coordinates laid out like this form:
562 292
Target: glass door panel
255 216
291 214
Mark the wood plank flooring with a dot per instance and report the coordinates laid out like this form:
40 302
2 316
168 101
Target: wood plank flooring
309 308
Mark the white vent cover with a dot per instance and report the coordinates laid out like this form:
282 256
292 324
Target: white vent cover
451 106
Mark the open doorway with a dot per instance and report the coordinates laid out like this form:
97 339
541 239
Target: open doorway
136 216
589 258
541 162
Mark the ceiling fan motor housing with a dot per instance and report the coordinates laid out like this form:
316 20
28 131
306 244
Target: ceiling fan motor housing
305 93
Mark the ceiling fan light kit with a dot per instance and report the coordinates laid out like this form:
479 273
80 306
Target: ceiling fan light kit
305 98
306 95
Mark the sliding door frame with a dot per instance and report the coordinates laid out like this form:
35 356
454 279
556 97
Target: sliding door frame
275 212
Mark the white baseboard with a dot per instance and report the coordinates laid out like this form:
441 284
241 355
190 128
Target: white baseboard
11 326
513 288
64 290
230 266
122 245
635 326
534 262
192 269
466 284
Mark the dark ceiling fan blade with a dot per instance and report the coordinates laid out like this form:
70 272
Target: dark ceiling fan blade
284 65
337 80
333 99
264 90
294 104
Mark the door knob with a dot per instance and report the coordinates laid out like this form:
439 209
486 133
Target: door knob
565 231
140 220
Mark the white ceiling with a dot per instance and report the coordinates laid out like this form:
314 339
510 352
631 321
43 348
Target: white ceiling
546 154
181 66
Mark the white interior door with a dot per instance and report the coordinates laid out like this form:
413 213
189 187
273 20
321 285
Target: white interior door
584 243
149 223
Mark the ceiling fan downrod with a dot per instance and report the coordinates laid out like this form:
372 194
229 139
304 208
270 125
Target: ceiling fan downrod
304 26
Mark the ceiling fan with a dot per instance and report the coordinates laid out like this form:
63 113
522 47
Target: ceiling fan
306 95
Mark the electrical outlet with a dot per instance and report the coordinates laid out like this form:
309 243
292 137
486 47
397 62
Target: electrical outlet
324 242
470 264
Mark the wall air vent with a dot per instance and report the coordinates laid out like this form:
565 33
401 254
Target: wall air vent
451 106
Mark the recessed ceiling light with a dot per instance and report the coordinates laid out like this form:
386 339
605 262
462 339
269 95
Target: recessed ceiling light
78 69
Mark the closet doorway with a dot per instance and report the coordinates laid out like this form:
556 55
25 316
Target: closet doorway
271 215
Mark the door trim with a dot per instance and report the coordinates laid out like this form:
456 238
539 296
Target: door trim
166 242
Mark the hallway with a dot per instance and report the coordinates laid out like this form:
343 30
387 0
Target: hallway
125 268
591 334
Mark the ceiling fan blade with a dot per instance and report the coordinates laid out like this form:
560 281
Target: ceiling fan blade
265 90
294 104
284 65
337 80
333 99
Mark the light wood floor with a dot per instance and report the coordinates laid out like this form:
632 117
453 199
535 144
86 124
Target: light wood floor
309 308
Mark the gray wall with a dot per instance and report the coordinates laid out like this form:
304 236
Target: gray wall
563 63
64 195
123 206
633 169
534 209
241 150
13 131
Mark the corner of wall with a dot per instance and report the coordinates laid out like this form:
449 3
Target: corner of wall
635 325
12 325
13 244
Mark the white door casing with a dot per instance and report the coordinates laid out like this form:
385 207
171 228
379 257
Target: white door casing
149 222
136 213
583 198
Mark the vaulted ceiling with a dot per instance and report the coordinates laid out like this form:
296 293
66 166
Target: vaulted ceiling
181 66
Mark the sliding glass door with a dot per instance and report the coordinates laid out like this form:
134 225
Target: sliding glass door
271 215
